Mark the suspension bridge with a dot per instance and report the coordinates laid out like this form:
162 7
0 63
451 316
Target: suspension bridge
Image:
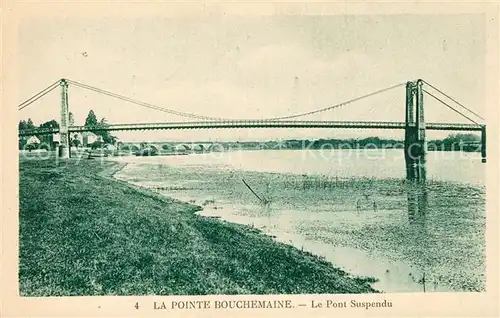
414 123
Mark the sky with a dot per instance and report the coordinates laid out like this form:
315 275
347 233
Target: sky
252 67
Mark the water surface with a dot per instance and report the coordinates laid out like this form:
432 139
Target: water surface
352 207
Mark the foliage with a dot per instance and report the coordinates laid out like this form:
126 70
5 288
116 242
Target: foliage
467 142
97 144
130 147
32 146
50 124
373 142
23 124
47 139
92 122
105 134
75 142
148 151
44 146
29 124
463 137
152 148
88 235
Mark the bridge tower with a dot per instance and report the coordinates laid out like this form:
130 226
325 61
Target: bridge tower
483 143
415 146
64 148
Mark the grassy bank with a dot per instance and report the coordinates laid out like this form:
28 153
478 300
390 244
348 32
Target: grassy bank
82 233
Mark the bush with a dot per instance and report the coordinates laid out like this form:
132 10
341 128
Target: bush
150 151
75 142
32 146
130 147
44 147
96 145
152 148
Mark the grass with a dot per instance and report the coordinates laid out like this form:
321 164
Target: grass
83 233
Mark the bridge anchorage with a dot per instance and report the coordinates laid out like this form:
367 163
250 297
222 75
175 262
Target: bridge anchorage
415 127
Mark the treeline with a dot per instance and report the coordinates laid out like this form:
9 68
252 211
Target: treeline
373 142
465 142
28 124
45 140
91 122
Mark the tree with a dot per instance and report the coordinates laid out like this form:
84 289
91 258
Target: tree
44 146
96 145
71 119
23 125
29 124
48 139
50 124
91 119
31 146
105 134
75 142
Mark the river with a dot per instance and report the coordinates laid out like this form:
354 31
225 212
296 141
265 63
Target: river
352 207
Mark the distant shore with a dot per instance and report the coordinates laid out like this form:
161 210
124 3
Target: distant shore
84 233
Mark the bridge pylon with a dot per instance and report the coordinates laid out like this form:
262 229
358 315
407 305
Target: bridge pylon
64 147
483 143
415 145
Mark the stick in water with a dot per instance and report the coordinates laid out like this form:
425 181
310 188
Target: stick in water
252 190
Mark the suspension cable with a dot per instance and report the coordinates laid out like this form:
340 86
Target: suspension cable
38 95
48 89
450 107
338 105
460 104
133 101
190 115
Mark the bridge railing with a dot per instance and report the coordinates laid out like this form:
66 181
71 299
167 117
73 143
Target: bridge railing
252 123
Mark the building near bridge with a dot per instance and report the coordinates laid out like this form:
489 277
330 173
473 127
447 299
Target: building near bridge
32 140
44 141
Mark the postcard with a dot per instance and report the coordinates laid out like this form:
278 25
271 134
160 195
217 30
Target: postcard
259 159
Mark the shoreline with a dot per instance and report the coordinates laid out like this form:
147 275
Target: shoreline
334 201
218 257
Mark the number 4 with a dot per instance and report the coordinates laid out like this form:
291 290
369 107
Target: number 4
136 305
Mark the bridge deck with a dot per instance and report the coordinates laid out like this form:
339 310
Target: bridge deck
255 124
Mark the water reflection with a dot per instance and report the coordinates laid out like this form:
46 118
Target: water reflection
416 169
416 176
350 220
417 202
